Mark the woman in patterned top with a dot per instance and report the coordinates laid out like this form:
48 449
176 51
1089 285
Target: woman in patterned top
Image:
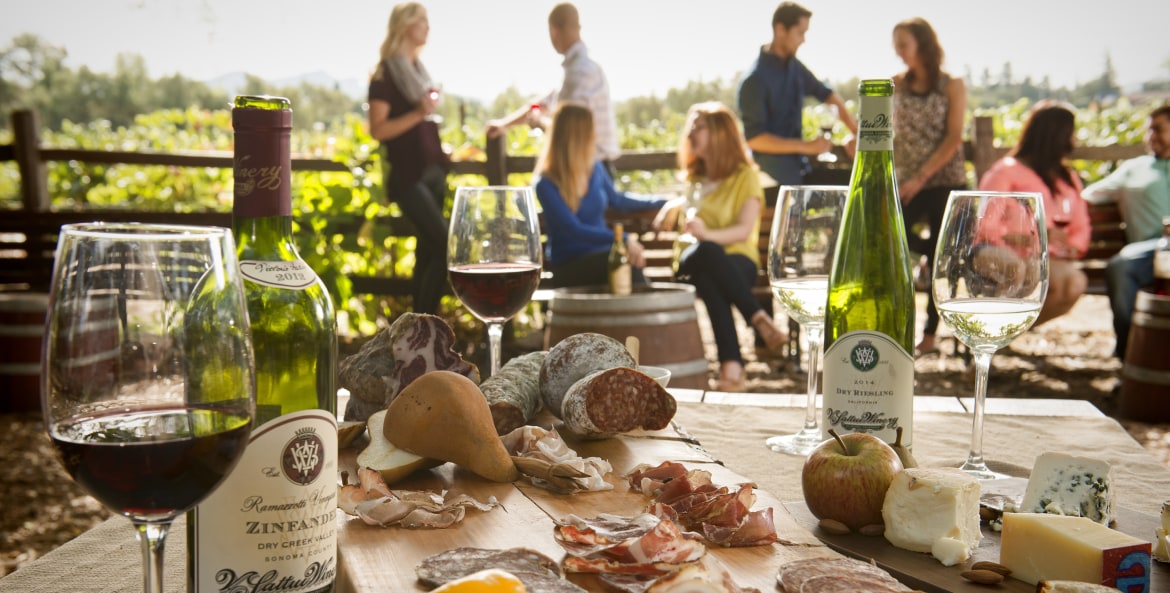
929 107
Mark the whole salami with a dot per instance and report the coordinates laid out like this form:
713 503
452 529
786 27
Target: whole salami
513 394
616 400
574 357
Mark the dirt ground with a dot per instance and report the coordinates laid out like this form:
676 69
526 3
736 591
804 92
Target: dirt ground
1066 358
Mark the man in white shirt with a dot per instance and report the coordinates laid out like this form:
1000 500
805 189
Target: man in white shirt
1141 189
584 83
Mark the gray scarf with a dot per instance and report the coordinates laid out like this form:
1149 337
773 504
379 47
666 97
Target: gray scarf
410 76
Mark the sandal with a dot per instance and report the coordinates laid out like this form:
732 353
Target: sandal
736 384
772 336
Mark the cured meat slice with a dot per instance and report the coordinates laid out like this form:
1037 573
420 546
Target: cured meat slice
850 583
617 400
527 565
793 575
641 540
513 393
572 359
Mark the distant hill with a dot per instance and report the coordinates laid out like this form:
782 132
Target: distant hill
232 82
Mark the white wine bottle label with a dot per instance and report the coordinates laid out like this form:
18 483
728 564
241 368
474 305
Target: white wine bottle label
290 274
271 525
869 386
1162 265
876 125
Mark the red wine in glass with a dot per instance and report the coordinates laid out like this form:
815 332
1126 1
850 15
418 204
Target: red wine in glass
152 462
495 292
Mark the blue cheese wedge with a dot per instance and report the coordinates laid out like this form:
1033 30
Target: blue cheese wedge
1072 486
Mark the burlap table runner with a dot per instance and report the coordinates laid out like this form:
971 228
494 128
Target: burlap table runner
107 558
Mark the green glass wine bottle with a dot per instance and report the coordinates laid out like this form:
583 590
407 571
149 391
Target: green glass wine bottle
869 315
618 263
287 479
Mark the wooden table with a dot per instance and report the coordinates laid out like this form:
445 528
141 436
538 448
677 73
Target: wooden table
730 428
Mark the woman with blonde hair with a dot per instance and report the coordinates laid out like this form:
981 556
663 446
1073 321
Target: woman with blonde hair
575 190
415 166
724 262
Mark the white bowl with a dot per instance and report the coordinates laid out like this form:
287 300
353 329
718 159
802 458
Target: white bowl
660 374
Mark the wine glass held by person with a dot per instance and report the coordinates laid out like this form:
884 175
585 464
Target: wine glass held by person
575 191
800 258
929 106
723 264
1037 164
494 255
416 175
989 280
148 387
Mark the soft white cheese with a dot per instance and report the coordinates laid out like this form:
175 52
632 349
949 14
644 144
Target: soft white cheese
933 510
1162 536
1074 486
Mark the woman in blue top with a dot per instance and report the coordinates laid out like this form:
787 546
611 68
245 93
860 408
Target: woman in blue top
574 190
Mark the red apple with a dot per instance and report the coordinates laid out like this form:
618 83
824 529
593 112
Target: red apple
846 477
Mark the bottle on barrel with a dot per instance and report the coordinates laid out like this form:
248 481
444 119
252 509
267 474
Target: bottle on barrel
620 275
869 316
1161 284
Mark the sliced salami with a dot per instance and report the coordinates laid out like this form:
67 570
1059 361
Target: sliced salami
850 583
513 394
573 358
617 400
793 574
460 562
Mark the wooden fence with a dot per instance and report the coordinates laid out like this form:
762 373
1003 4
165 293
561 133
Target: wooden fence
28 235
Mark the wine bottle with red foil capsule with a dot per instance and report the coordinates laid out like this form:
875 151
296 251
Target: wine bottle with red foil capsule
272 520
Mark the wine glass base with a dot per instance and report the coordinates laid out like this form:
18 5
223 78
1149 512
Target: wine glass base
794 444
980 471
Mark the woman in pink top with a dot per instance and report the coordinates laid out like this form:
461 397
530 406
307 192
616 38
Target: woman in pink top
1037 164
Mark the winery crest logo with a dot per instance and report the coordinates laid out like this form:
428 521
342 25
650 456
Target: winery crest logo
864 356
302 458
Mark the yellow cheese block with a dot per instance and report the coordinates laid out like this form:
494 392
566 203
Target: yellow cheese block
1046 547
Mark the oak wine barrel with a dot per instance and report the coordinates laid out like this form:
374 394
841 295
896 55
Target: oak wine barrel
1145 376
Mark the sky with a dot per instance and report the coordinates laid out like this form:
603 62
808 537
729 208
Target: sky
478 48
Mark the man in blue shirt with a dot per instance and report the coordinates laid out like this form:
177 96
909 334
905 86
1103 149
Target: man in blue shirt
1141 188
771 98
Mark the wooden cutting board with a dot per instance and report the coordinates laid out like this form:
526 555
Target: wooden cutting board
375 559
922 571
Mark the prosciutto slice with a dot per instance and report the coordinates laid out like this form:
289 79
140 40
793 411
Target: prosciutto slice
376 504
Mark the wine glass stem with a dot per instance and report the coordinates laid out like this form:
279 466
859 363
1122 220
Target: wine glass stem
495 334
982 368
152 536
813 333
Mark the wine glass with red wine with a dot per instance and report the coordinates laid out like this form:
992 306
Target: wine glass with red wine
147 385
493 255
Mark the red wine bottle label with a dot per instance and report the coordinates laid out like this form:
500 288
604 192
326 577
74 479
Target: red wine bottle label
261 167
274 518
290 274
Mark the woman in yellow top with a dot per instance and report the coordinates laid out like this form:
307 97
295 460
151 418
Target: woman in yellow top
723 263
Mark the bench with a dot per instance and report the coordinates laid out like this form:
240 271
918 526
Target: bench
1107 238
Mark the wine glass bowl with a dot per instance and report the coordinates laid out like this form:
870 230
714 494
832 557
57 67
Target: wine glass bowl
990 279
800 255
494 255
148 389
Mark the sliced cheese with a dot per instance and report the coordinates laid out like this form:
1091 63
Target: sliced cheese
1067 485
1050 547
926 505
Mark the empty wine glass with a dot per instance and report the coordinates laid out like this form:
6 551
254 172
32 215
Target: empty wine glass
432 95
800 255
493 255
990 279
148 388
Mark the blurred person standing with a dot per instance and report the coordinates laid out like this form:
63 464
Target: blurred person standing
584 83
415 168
1141 189
1037 164
929 108
771 101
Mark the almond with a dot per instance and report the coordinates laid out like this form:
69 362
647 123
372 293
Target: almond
993 567
982 576
872 530
833 526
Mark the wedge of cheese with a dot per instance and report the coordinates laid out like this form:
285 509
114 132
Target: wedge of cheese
1063 484
1054 547
933 510
1162 536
